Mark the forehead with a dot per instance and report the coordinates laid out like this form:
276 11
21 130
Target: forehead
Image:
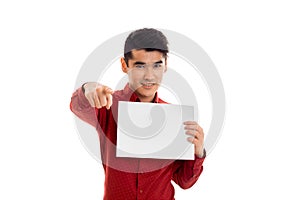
146 56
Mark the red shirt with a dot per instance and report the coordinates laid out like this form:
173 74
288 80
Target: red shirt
133 178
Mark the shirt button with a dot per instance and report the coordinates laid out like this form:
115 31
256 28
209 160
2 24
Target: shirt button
141 191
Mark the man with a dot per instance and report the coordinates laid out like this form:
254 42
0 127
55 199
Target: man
145 62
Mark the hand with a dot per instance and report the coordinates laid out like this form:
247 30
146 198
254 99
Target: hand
98 95
193 129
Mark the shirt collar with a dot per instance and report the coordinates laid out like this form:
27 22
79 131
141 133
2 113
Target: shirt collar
134 98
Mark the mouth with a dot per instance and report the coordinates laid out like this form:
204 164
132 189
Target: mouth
148 85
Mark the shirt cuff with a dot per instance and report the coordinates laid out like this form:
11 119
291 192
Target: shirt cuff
83 103
203 156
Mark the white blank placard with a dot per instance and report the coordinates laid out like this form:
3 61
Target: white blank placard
150 130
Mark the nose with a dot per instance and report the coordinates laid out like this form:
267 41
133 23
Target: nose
149 73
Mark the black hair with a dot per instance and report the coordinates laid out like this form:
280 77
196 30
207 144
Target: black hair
148 39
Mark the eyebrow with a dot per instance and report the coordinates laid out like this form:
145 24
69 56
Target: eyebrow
142 63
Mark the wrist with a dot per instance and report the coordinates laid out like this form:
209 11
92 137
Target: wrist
83 88
202 154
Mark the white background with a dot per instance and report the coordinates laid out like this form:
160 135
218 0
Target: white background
254 44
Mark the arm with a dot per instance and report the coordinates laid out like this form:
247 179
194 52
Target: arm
187 172
88 99
81 108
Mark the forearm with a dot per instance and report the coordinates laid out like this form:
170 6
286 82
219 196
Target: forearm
81 108
187 172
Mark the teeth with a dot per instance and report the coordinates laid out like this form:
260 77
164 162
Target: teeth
148 84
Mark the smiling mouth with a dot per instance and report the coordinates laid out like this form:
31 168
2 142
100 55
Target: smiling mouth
148 85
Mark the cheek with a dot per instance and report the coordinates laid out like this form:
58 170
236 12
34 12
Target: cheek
134 77
159 76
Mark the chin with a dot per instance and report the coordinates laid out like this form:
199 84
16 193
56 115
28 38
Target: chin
147 93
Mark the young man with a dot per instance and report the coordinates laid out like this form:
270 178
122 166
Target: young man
145 62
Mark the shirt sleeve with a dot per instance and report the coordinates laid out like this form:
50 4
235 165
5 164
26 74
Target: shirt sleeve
81 108
187 172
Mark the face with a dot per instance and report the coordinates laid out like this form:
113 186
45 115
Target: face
145 72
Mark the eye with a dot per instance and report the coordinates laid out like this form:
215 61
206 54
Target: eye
157 65
140 66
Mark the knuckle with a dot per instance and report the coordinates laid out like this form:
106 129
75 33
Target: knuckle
200 128
99 90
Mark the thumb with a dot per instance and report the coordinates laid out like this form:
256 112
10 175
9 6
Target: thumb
108 90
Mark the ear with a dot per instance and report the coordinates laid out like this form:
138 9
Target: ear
124 65
166 65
